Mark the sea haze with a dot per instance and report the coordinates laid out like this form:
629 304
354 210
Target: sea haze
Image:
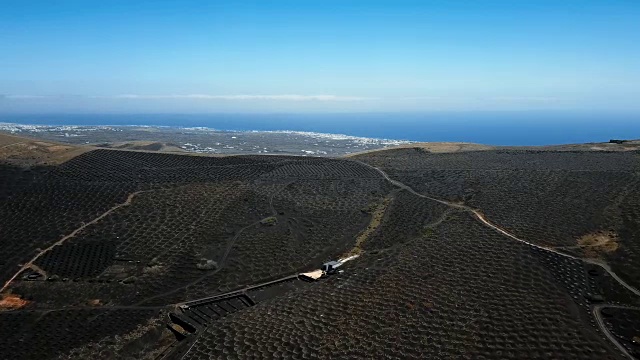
494 128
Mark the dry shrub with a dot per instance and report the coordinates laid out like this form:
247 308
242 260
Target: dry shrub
11 302
595 244
376 219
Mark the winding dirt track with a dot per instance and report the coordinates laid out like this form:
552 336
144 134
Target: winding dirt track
30 264
223 259
480 217
474 212
274 213
600 321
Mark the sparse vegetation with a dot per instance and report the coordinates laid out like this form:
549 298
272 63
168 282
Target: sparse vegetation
195 230
9 301
206 264
378 210
595 244
270 221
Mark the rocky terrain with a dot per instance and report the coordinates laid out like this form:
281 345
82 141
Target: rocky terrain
455 251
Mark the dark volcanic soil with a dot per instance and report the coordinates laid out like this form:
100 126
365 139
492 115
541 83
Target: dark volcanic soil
141 233
551 198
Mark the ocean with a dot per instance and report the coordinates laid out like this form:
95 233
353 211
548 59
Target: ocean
493 128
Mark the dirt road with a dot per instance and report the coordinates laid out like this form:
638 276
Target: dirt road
30 264
600 321
482 219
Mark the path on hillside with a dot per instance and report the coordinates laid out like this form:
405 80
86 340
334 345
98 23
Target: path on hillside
274 214
600 321
220 264
31 263
482 219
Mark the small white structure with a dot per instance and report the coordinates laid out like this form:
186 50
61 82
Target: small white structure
313 275
328 268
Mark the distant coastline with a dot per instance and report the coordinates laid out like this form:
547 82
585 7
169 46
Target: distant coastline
491 128
26 128
201 139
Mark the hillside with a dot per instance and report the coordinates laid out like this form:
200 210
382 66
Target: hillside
464 251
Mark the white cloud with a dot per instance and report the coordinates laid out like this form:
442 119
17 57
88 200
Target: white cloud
285 97
292 98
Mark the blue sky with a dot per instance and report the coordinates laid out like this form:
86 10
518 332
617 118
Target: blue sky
315 56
